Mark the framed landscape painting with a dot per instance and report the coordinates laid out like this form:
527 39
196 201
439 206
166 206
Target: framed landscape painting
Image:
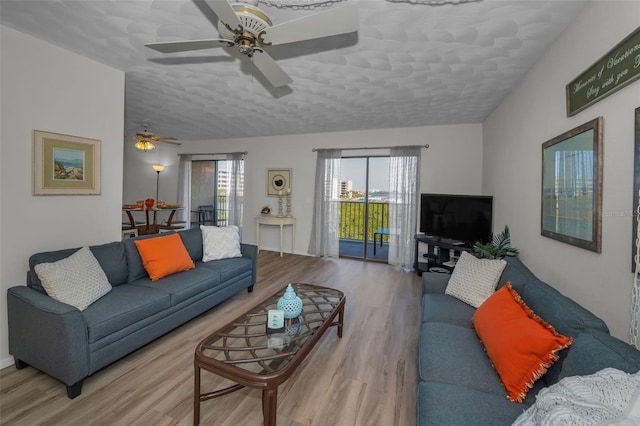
65 165
572 186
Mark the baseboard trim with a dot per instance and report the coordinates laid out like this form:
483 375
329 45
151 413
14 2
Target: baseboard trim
7 362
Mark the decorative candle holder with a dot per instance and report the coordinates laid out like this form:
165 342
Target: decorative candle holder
290 303
289 203
280 204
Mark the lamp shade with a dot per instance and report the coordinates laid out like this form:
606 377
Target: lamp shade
145 145
158 168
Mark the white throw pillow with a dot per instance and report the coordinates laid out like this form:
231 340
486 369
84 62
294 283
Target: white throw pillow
473 280
220 243
77 280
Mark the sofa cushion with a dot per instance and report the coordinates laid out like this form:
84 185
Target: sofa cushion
473 280
564 314
433 282
111 257
229 268
135 268
192 240
163 256
593 351
77 280
446 404
445 308
453 354
220 242
183 285
517 274
520 344
122 306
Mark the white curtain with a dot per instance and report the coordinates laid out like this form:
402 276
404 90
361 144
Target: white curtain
404 178
184 189
325 226
235 186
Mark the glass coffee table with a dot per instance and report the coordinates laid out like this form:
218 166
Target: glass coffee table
243 351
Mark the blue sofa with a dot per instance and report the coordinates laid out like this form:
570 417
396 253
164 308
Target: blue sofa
69 344
457 383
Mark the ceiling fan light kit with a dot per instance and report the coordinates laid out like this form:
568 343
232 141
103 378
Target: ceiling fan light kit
145 146
145 140
249 29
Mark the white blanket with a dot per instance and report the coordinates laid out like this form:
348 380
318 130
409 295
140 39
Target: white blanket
608 397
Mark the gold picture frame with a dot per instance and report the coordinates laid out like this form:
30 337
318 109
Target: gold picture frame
572 186
278 182
65 164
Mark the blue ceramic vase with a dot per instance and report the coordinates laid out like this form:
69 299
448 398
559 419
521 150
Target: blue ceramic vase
290 303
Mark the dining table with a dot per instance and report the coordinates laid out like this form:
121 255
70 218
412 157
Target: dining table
151 225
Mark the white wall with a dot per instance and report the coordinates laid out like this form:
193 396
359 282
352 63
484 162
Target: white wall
47 88
452 164
535 112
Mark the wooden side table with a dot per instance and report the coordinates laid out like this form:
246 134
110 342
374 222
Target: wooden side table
269 220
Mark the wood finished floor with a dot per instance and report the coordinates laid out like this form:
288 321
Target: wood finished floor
366 378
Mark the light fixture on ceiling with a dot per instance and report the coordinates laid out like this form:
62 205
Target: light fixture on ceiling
145 139
145 145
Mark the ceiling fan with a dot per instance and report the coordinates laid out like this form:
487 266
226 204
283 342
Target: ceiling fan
145 140
250 29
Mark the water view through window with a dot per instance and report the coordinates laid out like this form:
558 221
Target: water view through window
364 207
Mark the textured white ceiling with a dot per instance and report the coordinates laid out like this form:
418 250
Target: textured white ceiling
408 65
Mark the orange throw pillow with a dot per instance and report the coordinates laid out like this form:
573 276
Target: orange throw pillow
163 256
520 344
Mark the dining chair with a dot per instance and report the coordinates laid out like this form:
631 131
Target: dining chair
206 215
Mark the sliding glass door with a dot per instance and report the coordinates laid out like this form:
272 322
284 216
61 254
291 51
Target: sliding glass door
364 207
210 182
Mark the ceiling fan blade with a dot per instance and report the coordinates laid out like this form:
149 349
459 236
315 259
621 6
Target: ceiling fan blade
225 12
270 69
334 21
184 46
171 141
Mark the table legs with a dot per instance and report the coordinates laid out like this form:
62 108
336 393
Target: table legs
258 236
340 321
196 396
269 400
269 406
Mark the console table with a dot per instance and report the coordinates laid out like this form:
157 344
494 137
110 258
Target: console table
270 220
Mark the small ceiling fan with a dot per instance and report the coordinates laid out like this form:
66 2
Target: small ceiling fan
250 29
145 140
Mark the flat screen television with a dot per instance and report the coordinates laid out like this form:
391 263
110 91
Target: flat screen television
465 218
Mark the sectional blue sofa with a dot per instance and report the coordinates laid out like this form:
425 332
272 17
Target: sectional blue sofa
457 383
69 344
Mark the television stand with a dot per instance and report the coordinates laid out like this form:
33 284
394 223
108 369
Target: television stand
438 254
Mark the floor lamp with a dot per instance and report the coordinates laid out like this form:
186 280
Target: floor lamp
158 168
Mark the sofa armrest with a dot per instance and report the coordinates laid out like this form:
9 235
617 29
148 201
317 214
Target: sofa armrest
47 334
251 251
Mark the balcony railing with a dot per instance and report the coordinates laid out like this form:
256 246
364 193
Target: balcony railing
353 216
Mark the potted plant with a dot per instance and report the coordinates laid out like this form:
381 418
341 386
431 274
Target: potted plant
498 248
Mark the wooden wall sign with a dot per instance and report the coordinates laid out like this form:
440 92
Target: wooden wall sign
619 67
